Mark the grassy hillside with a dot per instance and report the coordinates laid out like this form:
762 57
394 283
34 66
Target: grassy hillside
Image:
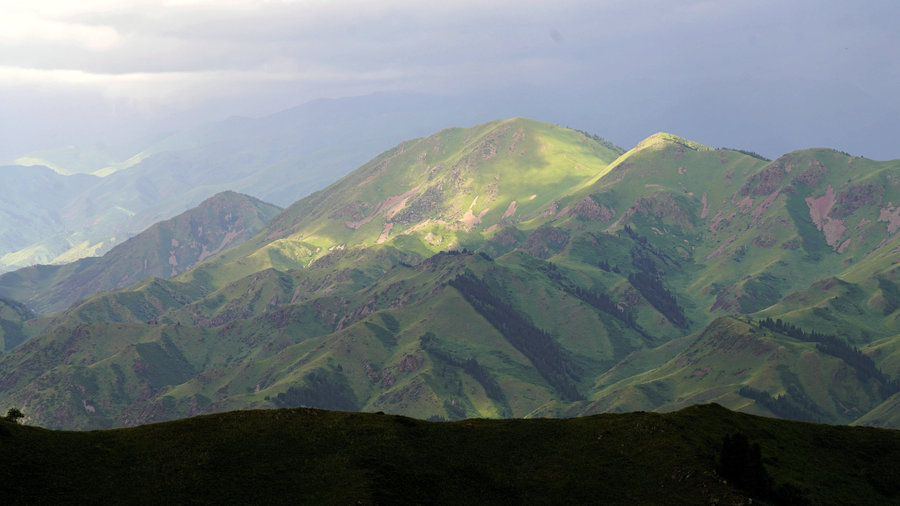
757 368
449 191
511 269
310 456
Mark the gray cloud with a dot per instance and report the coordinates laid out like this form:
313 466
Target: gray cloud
147 61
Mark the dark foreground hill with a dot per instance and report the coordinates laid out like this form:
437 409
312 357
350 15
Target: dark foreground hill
699 455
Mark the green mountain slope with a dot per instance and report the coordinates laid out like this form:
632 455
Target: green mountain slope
13 316
699 455
755 368
445 192
278 158
511 269
163 250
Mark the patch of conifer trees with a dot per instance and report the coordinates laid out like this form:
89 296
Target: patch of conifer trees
648 279
542 350
595 299
837 347
323 389
791 407
469 365
652 288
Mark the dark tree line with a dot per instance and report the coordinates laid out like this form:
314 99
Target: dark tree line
791 407
644 250
749 153
837 347
596 299
469 365
604 303
652 288
322 389
600 140
648 278
538 346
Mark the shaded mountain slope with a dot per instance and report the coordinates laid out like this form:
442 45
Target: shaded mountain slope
163 250
13 316
378 333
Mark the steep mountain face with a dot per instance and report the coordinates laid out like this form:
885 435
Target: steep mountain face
162 251
512 269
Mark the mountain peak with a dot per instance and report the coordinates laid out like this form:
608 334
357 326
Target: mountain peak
658 141
663 138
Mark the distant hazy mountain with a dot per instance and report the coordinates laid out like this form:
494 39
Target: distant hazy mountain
162 251
513 269
51 218
283 157
34 220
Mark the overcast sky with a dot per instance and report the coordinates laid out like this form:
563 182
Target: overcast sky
756 74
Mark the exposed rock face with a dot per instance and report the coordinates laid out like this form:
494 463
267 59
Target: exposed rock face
588 209
545 241
812 174
854 197
764 182
819 209
891 215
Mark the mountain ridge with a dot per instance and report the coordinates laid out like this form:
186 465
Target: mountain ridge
162 250
506 270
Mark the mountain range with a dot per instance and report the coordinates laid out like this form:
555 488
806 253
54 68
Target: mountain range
512 269
60 205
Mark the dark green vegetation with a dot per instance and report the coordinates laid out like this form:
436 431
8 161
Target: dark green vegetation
699 455
512 269
13 316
